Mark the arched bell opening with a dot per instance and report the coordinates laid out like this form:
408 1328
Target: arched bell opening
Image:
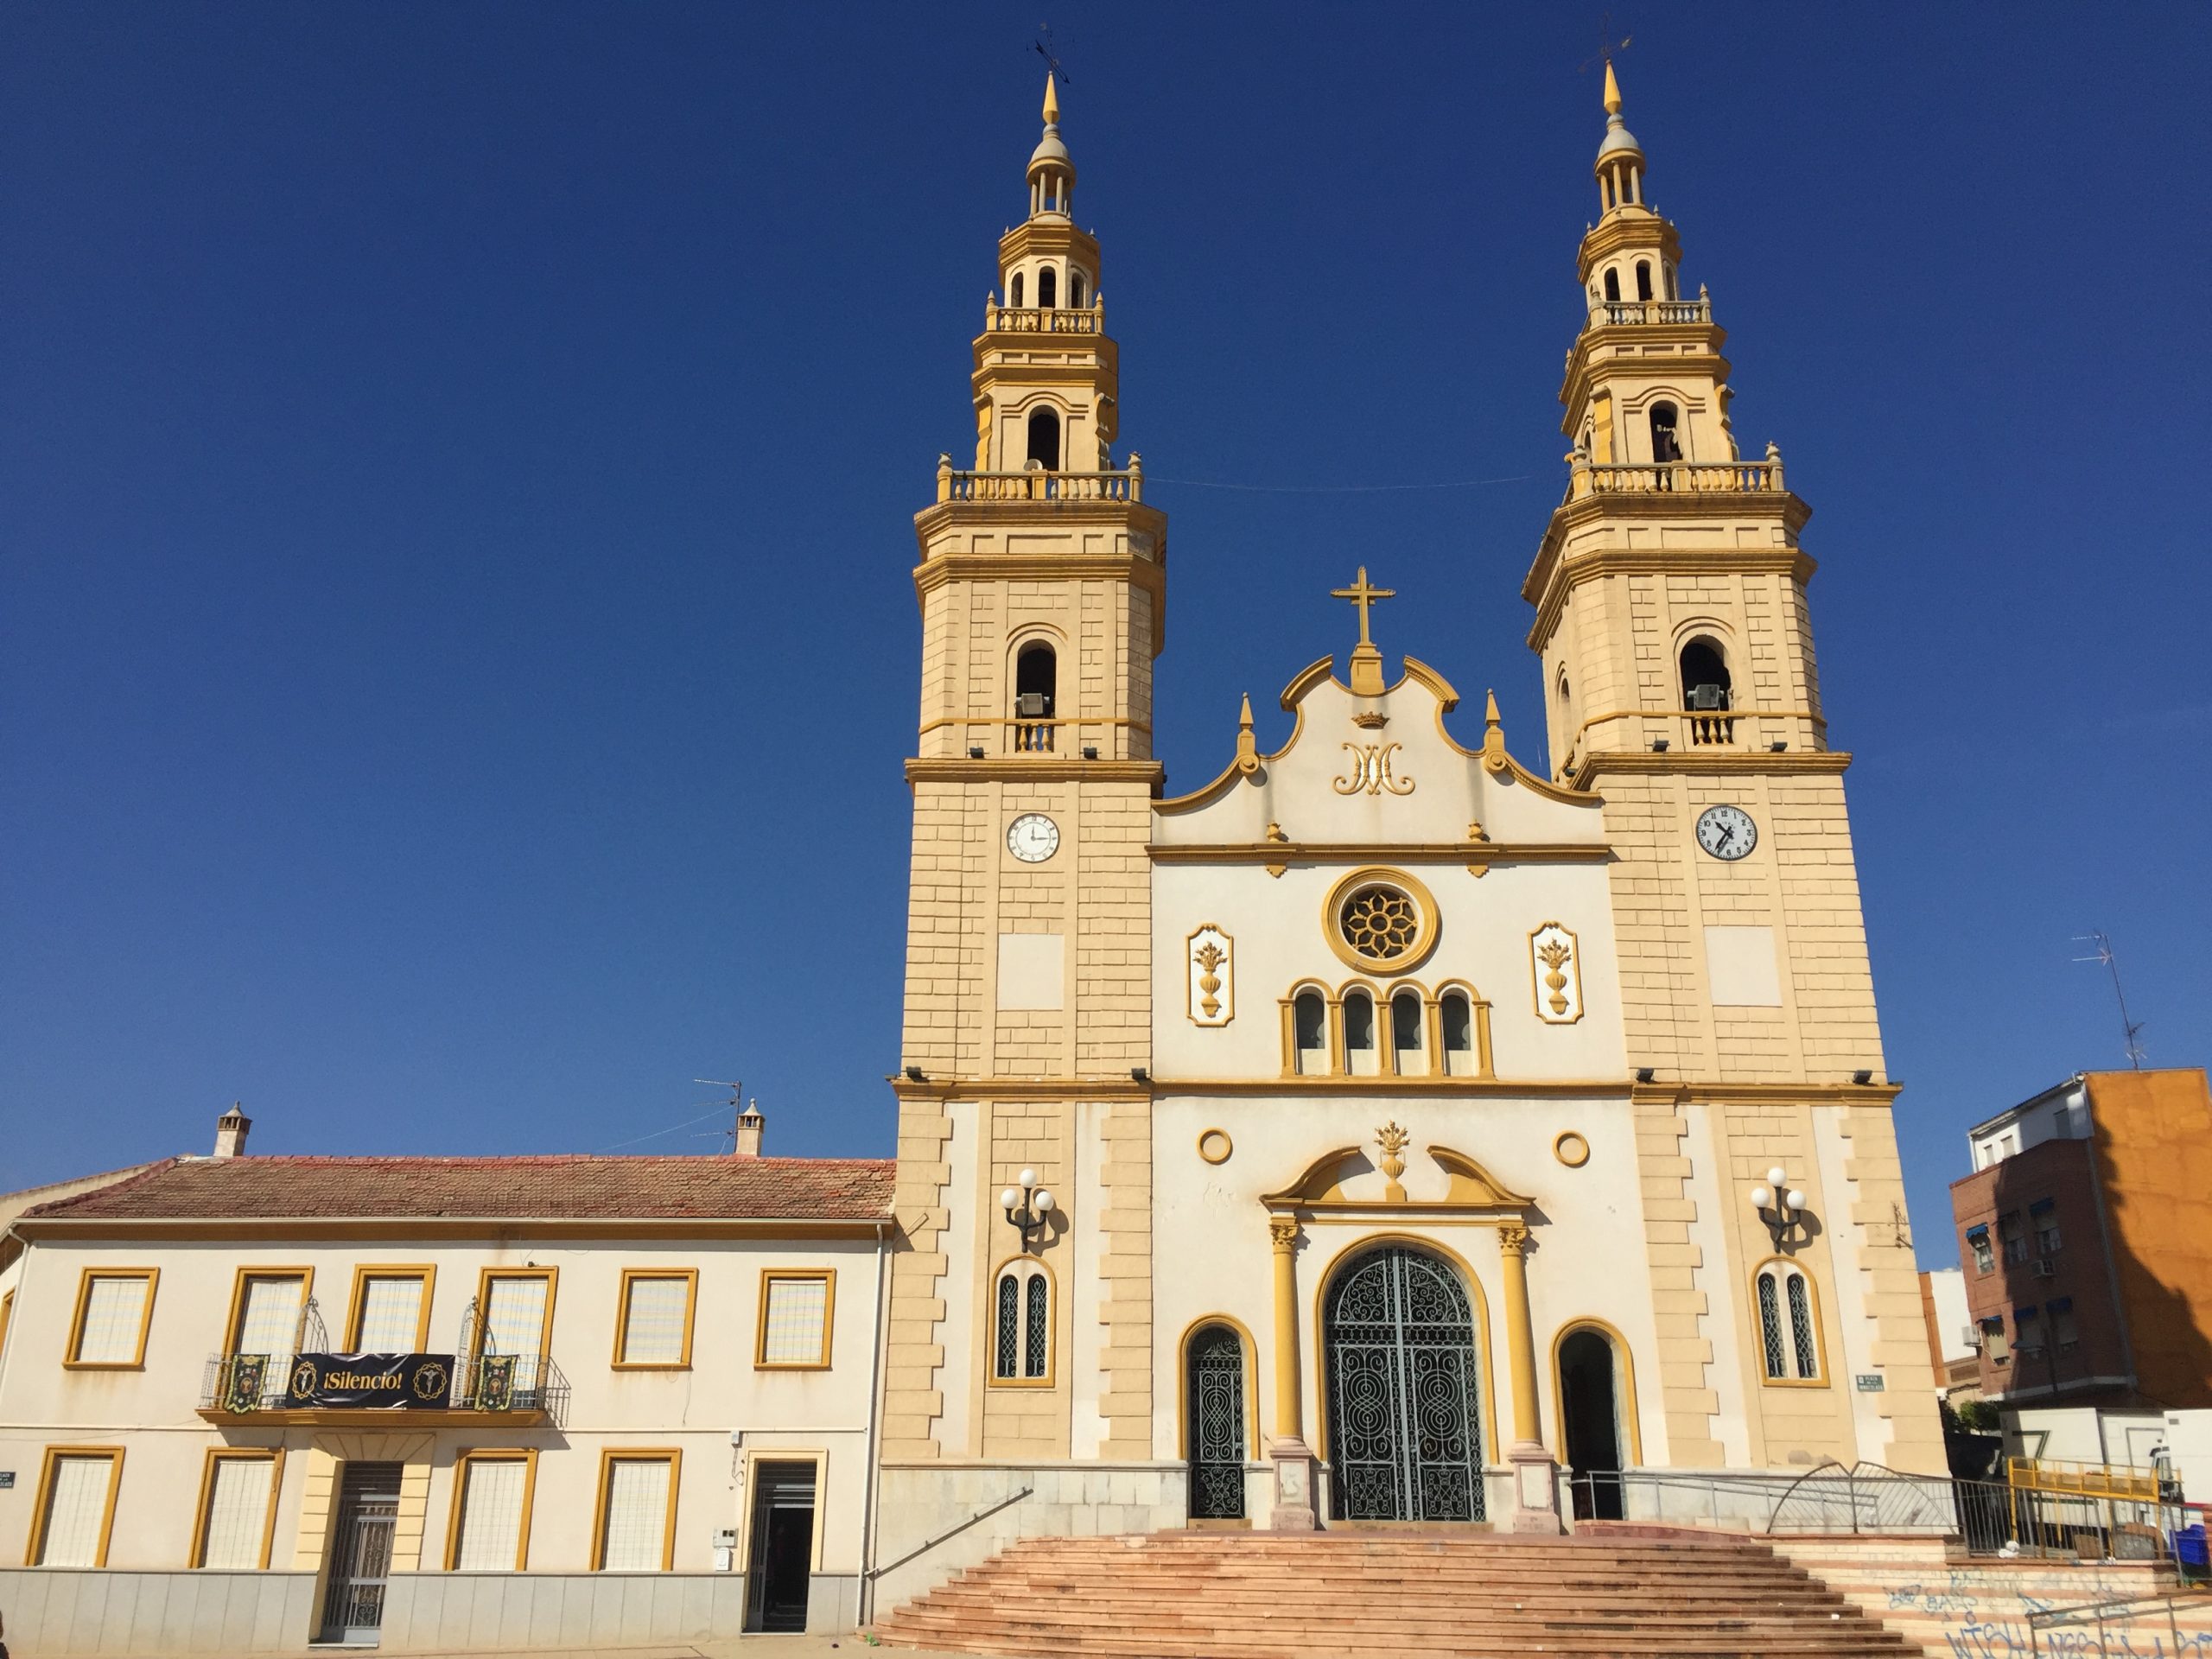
1044 425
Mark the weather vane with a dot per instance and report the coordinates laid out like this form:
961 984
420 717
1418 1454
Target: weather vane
1043 47
1606 44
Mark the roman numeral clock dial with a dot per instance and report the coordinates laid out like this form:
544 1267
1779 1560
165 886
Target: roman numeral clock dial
1033 838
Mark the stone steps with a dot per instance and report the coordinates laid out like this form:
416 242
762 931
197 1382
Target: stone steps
1481 1596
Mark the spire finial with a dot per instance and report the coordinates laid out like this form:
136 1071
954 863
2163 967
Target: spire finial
1612 91
1248 745
1053 101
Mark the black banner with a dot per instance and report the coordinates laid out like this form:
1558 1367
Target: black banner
390 1382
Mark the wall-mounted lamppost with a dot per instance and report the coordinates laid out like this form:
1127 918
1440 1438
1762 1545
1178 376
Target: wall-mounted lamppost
1781 1205
1027 1206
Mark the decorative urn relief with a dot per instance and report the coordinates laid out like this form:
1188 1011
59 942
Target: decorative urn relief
1555 962
1211 972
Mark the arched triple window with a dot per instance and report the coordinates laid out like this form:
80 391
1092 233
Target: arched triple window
1045 424
1361 1057
1790 1326
1021 1336
1408 1043
1309 1035
1612 285
1014 291
1666 434
1048 287
1458 1020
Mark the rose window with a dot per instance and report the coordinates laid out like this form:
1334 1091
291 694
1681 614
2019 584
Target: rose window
1380 924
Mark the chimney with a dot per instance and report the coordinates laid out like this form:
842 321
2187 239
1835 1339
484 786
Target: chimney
750 1124
231 1131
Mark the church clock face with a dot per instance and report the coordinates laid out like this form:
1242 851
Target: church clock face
1726 832
1033 838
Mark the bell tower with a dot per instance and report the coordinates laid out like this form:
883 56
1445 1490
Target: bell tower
1679 685
1041 581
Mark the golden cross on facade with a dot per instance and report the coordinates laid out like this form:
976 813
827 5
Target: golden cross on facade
1362 595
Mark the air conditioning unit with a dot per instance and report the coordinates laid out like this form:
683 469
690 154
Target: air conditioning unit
1708 699
2046 1270
1972 1336
1030 705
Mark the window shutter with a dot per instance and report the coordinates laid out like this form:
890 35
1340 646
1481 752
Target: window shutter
115 1309
76 1504
391 1314
637 1516
238 1512
491 1515
795 1310
652 1325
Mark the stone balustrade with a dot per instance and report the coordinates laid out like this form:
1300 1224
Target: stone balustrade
1677 478
1020 319
1633 314
1036 484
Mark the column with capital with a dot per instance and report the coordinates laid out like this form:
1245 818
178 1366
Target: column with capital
1293 1458
1535 1476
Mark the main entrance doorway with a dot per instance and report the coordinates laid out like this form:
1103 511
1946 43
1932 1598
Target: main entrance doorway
782 1565
1404 1444
360 1551
1590 1412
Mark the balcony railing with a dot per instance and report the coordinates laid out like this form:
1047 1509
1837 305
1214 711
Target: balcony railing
1677 478
1020 319
1752 729
242 1385
1037 485
1632 313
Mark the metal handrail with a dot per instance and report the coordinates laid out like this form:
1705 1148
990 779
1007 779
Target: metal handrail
950 1532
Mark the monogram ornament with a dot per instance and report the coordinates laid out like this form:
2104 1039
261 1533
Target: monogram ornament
1370 772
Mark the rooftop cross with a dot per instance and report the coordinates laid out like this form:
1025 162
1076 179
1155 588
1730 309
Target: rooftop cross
1362 594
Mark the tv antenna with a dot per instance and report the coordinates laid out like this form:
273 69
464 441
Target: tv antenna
1043 47
736 1104
2130 1029
1606 44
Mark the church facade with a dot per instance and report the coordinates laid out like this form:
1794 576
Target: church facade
1386 1130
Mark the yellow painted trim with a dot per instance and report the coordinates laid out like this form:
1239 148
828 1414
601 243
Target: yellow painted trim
1053 768
137 1362
608 1456
1240 766
1758 1333
1567 1155
1486 1382
305 1275
630 1276
468 1459
1477 853
1251 1350
1381 875
7 1318
1820 721
760 1360
426 1271
1016 1263
1290 1025
1478 1031
483 1278
1625 1378
1460 1167
1341 1058
930 726
273 1456
1790 762
754 1457
1447 697
388 1231
1228 1149
38 1517
1305 680
1548 1088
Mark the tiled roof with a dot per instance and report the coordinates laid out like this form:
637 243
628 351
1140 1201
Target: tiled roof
602 1188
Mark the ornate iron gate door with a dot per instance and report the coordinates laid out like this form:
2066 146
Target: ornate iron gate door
1403 1442
360 1552
1214 1416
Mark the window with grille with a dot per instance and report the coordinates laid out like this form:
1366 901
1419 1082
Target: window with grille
1789 1324
2013 1237
2042 1215
234 1525
268 1320
635 1513
2027 1330
112 1313
388 1317
1021 1348
490 1515
513 1313
656 1320
795 1319
1984 1259
74 1522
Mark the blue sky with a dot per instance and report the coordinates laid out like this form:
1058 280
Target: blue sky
458 645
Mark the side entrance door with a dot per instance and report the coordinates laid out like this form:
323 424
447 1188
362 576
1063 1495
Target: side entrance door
781 1565
360 1551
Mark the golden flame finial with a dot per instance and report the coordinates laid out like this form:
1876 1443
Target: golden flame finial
1612 91
1052 100
1248 745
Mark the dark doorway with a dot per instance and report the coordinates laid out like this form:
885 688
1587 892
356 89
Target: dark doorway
360 1552
783 1547
1045 438
1590 1406
1214 1422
